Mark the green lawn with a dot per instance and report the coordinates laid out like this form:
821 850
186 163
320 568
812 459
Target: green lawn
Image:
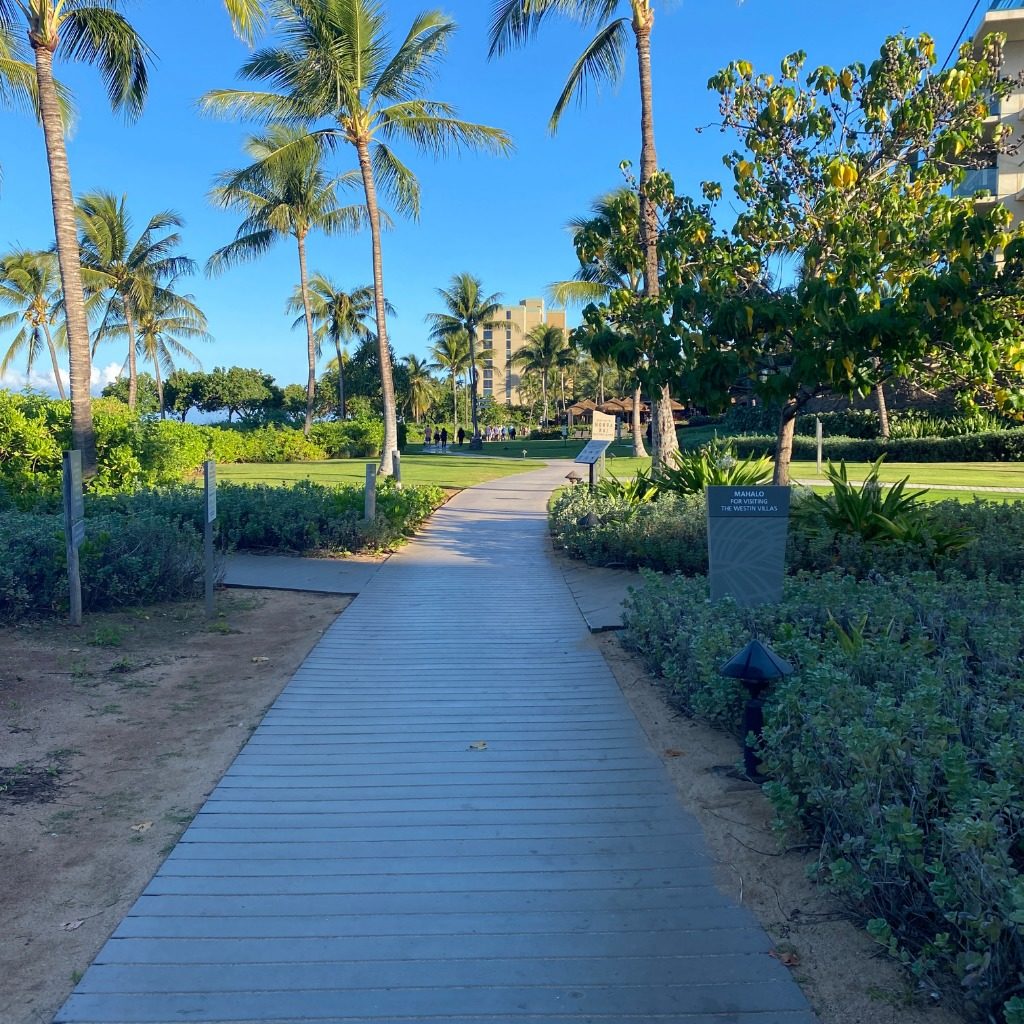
962 474
450 471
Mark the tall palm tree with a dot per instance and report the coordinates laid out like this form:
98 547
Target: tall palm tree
30 282
514 22
607 264
467 309
285 191
541 356
164 320
247 17
339 316
335 62
127 270
421 385
451 353
93 32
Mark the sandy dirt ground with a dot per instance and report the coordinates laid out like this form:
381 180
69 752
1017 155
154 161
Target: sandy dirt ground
836 963
111 737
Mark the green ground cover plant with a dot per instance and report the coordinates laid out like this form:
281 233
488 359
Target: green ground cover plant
898 745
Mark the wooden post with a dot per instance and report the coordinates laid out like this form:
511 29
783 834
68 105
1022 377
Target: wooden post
74 530
370 497
819 433
210 493
396 461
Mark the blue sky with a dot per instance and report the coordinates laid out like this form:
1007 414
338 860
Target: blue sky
501 219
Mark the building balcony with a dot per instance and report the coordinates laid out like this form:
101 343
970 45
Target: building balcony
1002 16
980 179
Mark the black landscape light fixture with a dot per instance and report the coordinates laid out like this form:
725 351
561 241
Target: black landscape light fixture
573 477
755 667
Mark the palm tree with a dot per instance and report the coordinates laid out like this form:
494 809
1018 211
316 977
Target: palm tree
339 316
30 282
128 271
247 17
282 195
164 320
17 75
541 356
451 353
609 265
334 62
514 22
467 309
94 33
421 385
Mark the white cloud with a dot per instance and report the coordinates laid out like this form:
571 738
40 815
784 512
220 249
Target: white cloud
16 380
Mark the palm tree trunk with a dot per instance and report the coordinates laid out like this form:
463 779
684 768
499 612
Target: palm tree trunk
475 442
643 22
53 358
387 381
544 393
159 382
639 451
133 372
883 410
784 443
341 382
63 203
455 399
561 381
310 341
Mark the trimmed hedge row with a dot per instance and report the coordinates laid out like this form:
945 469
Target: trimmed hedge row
992 446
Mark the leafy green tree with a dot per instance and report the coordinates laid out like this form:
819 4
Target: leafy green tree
846 174
542 356
146 400
467 309
93 33
422 385
285 191
184 390
340 317
335 62
129 272
30 282
451 353
514 22
237 390
363 377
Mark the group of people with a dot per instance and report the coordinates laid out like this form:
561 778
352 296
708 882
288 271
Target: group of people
437 437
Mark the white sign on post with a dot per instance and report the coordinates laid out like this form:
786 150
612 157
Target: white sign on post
210 479
74 529
604 427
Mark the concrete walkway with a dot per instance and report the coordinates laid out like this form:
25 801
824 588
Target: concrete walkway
450 815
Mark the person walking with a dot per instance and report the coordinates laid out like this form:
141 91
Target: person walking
512 432
444 439
427 437
461 435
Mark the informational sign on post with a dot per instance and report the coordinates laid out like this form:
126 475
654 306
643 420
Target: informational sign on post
747 529
74 530
210 495
370 494
604 427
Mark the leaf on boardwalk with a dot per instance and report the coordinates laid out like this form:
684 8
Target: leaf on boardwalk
478 745
672 752
789 958
143 826
259 660
71 926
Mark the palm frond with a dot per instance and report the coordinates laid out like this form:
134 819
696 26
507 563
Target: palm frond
396 180
601 62
248 18
415 62
103 37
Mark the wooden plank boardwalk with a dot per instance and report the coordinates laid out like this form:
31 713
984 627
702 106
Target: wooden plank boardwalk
449 815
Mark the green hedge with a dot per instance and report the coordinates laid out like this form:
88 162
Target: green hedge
125 560
670 535
898 744
992 446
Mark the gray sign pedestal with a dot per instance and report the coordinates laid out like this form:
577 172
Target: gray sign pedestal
747 543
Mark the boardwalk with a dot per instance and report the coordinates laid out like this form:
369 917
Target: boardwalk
450 815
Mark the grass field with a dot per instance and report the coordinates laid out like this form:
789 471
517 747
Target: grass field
452 472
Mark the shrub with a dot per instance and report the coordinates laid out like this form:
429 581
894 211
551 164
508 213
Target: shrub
553 434
714 464
352 439
125 560
898 744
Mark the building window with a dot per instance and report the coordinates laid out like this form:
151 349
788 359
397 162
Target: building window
488 375
508 314
508 337
488 334
488 392
488 364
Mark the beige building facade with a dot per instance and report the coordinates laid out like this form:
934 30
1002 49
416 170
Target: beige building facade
1003 179
500 378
